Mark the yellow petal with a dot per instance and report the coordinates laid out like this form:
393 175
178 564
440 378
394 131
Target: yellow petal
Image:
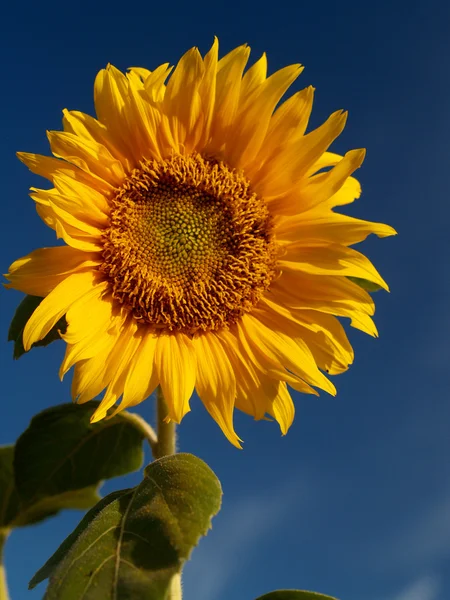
87 239
91 157
119 362
147 120
351 188
328 342
55 305
90 320
249 397
140 72
49 167
207 92
76 238
84 197
258 394
290 120
88 128
176 367
113 110
332 259
136 127
267 340
330 227
301 290
364 323
321 188
307 367
47 215
142 378
323 335
41 271
84 352
216 383
89 377
228 85
348 193
245 399
154 82
72 236
327 159
286 127
282 408
182 99
285 170
68 217
331 295
83 214
258 108
267 363
252 80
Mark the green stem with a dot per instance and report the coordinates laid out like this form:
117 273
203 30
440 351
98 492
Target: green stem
167 444
175 588
166 431
3 585
144 427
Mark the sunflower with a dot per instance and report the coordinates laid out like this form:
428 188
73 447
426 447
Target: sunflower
202 251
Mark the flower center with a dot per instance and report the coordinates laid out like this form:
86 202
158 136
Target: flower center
189 247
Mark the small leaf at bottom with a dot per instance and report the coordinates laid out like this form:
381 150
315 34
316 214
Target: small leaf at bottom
62 451
15 512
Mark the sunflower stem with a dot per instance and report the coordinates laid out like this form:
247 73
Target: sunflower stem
175 588
142 425
4 595
166 443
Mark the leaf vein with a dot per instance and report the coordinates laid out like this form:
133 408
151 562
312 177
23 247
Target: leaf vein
130 564
133 533
91 578
77 558
119 543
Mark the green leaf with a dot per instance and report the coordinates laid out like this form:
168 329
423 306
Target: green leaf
45 571
14 512
60 460
38 510
8 493
133 543
367 285
294 595
23 312
61 451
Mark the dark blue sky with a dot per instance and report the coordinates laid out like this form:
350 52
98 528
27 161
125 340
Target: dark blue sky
355 501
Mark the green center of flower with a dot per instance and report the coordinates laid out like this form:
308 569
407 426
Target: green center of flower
189 246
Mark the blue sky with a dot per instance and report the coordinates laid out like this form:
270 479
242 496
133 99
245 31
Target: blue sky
355 500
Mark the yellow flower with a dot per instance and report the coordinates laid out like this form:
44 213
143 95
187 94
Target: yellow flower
202 250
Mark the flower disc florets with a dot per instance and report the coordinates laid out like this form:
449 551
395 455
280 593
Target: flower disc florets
190 246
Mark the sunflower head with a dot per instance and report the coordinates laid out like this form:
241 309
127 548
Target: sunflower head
201 245
190 246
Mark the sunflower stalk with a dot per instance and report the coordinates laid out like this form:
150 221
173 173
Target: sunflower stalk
175 588
166 443
4 595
